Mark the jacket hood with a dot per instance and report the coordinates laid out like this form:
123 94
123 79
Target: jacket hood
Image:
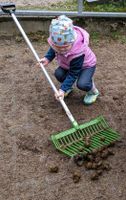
81 43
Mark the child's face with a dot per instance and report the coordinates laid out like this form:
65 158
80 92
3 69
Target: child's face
62 49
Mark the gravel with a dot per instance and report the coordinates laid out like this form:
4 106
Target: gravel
34 3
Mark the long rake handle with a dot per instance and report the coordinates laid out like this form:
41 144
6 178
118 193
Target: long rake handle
70 116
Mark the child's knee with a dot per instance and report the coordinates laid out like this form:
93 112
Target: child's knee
58 75
84 86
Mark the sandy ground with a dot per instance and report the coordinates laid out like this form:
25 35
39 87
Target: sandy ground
29 114
33 3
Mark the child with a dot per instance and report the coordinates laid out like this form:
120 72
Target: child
77 62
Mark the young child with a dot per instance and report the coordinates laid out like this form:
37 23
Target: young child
76 61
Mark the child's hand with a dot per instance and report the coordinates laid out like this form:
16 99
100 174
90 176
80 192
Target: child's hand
60 95
44 61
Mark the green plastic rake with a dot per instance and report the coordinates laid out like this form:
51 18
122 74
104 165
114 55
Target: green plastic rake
70 141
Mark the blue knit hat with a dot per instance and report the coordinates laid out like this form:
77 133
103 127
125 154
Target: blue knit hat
62 31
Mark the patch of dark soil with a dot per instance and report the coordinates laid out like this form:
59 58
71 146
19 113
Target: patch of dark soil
29 143
29 114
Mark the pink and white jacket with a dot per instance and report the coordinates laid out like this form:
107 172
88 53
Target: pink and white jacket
79 47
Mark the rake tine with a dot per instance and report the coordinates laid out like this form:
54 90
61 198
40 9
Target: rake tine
73 140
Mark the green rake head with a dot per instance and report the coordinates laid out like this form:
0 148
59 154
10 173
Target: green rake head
73 142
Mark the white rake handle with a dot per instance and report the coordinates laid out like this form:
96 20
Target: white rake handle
70 116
